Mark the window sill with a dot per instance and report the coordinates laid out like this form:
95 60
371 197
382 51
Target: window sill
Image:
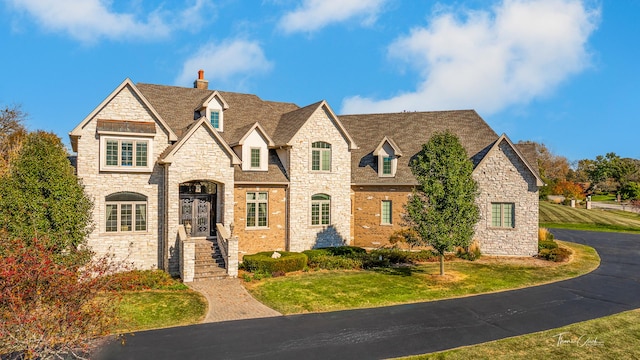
501 228
123 233
386 224
126 170
257 228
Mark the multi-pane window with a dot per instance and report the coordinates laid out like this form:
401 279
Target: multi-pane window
386 214
215 119
126 153
126 211
255 158
502 215
320 209
257 209
386 165
321 156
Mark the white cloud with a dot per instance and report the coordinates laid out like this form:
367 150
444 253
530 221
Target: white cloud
90 20
488 60
227 65
315 14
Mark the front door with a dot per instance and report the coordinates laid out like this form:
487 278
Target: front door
197 210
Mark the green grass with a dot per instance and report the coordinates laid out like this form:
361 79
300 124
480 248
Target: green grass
604 198
340 290
612 337
565 217
152 309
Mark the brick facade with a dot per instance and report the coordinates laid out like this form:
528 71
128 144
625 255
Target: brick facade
367 204
253 240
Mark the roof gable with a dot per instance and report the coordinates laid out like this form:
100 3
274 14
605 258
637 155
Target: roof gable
127 83
292 122
504 138
211 97
167 156
256 127
394 146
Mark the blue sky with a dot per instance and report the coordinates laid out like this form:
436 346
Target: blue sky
561 72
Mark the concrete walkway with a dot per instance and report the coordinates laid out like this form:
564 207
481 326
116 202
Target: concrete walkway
228 300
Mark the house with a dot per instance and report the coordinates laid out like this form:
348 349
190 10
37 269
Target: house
167 166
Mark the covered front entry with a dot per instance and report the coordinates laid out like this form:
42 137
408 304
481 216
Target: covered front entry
198 207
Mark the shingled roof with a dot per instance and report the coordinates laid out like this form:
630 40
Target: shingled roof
409 131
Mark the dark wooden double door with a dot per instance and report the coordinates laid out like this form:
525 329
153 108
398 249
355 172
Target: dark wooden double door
199 212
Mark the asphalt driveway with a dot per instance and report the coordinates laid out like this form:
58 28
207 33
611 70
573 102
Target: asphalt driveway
411 329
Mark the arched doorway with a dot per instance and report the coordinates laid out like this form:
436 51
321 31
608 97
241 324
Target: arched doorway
198 207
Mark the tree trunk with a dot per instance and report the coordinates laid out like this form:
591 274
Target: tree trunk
441 264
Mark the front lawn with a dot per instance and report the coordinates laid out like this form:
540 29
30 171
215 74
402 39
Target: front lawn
339 290
152 309
612 337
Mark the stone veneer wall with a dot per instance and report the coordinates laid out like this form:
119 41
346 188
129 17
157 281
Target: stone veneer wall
367 207
140 248
200 158
304 183
503 177
274 236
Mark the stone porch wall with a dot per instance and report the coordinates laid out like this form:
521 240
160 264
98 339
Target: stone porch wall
200 158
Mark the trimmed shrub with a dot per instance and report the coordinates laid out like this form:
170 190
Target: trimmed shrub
330 262
347 251
545 244
263 262
423 256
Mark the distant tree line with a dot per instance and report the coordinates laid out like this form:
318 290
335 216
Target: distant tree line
608 174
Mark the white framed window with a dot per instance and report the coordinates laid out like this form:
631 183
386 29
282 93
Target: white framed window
502 215
320 156
257 207
320 209
386 212
255 158
126 154
126 212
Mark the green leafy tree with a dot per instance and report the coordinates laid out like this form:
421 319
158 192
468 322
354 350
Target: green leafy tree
442 208
40 196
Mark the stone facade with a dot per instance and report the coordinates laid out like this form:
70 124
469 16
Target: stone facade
273 237
335 183
503 178
140 248
202 154
201 157
368 230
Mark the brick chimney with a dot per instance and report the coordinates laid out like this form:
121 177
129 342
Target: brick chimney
201 83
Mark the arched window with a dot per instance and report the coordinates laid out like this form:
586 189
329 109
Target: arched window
320 209
320 156
125 212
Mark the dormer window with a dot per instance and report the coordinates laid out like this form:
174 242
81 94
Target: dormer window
386 166
387 153
255 158
214 117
